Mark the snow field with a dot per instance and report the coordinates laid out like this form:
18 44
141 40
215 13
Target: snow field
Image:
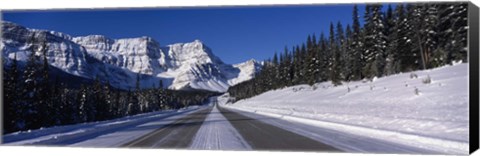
402 108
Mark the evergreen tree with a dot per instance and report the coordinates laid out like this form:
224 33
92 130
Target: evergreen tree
424 22
340 56
11 98
356 46
452 33
312 62
115 103
460 28
410 57
83 104
408 51
46 107
440 56
160 95
375 44
133 105
380 39
392 61
121 103
29 103
334 61
348 57
431 32
58 108
296 64
275 72
398 38
322 54
303 65
109 104
67 100
287 73
98 101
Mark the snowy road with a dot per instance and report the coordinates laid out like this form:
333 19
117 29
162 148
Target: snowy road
348 142
222 129
178 134
264 136
217 133
213 127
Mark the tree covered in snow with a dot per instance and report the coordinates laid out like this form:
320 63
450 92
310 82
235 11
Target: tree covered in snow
392 30
322 62
348 56
408 37
375 41
335 64
60 104
29 102
10 97
312 60
452 33
356 46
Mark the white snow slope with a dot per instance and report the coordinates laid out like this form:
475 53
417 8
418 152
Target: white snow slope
111 133
387 109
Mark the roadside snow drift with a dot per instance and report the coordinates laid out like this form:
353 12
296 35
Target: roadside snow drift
428 109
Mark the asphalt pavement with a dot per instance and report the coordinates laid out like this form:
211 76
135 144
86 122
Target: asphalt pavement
263 136
176 135
259 135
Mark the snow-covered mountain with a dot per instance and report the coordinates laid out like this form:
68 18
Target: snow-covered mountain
180 66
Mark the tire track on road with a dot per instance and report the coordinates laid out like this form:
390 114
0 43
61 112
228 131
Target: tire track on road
175 135
262 136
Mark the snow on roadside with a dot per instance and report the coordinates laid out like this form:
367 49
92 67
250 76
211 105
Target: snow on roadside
109 133
402 108
217 133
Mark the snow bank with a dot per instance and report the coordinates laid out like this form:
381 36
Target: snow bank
427 109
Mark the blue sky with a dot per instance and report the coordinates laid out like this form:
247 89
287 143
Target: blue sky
235 34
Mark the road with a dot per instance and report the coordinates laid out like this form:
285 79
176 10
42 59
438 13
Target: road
178 134
214 127
257 134
263 136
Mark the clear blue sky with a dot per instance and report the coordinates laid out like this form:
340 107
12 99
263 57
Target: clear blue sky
234 34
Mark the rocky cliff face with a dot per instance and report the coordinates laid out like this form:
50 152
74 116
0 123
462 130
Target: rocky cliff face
180 66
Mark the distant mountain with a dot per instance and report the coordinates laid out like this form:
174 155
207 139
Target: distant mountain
180 66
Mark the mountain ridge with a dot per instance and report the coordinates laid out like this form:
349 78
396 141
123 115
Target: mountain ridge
190 65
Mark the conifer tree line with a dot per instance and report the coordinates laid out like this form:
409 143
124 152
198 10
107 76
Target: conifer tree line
412 36
32 100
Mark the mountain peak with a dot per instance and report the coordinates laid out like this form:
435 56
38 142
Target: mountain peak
8 23
191 53
196 43
252 61
93 39
148 39
179 66
248 62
